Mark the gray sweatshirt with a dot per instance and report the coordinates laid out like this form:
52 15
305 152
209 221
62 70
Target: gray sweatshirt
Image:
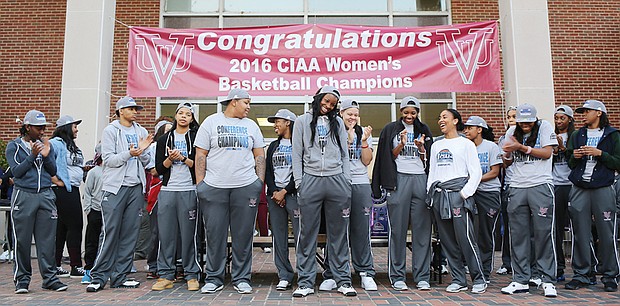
323 157
31 173
115 153
92 196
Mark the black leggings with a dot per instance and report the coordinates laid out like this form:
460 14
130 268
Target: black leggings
91 240
70 225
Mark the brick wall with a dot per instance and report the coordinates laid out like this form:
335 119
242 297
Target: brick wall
32 56
143 13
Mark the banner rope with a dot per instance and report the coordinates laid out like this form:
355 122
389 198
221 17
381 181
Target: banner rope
120 22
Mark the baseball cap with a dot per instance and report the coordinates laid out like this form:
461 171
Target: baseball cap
127 101
160 124
186 105
410 101
236 93
66 119
592 104
348 103
282 114
329 90
526 113
476 121
35 117
564 109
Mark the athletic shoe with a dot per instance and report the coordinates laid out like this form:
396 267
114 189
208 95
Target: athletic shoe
549 289
400 286
575 285
561 278
283 285
328 285
302 291
423 285
503 270
180 277
93 287
243 288
479 288
57 286
152 275
267 250
193 285
610 286
593 279
368 283
60 272
86 279
535 282
211 288
347 290
444 269
133 269
515 287
129 284
77 272
21 288
454 288
162 284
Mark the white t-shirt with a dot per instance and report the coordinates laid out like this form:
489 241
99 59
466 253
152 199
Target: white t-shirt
453 158
75 162
561 171
359 172
180 176
230 142
530 171
594 136
132 177
409 160
282 162
489 155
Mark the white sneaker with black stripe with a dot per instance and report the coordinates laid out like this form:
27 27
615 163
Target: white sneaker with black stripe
303 291
347 290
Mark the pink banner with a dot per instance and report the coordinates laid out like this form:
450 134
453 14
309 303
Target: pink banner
298 59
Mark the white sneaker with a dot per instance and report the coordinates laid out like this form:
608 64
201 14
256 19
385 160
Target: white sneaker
211 288
283 285
549 290
454 288
535 282
444 269
267 250
347 290
243 288
368 283
4 256
515 287
328 285
400 286
479 288
302 291
502 271
423 285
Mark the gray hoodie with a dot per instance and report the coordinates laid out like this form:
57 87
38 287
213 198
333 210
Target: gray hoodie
310 158
31 173
115 153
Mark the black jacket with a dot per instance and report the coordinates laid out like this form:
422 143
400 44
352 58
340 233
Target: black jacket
603 173
161 153
269 176
384 171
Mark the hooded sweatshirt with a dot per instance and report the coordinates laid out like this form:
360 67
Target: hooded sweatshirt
116 156
323 157
31 173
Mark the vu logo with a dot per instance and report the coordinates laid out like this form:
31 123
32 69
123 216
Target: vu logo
467 55
164 57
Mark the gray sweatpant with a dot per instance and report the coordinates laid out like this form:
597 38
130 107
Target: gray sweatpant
488 205
333 193
34 213
121 213
531 212
406 205
176 217
599 203
458 240
359 231
221 209
278 217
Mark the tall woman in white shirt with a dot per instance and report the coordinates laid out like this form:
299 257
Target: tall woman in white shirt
452 181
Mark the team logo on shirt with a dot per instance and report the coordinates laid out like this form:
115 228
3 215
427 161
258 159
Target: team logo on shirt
355 151
253 202
484 161
283 158
346 212
232 137
410 150
542 212
456 212
444 158
607 216
322 131
492 212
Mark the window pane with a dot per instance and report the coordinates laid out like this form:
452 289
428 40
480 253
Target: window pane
416 5
177 6
375 115
236 22
419 21
347 6
355 20
249 6
190 22
202 6
260 112
429 114
429 5
424 95
204 110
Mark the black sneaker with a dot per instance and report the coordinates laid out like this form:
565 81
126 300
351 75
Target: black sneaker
77 272
21 288
57 286
60 272
610 286
575 285
152 275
